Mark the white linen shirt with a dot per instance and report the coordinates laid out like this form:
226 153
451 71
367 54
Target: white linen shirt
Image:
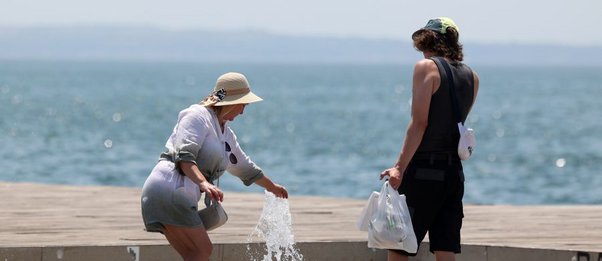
197 138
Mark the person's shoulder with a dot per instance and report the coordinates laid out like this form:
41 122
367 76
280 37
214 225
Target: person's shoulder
198 108
425 65
198 111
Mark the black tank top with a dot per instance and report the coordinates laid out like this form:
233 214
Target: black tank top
442 134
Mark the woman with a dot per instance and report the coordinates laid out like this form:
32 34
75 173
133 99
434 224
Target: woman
428 170
199 150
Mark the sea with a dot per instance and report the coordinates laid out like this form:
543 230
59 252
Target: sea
322 129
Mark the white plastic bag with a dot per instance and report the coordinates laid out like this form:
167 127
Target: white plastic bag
369 209
390 226
467 142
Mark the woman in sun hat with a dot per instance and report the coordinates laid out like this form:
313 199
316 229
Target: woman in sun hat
198 151
429 171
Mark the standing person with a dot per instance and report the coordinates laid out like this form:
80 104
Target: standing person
199 150
428 170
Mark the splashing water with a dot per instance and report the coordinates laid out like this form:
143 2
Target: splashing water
275 227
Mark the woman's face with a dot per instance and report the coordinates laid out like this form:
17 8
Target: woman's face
233 111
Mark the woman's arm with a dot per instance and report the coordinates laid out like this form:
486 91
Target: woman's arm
193 173
270 186
188 137
426 77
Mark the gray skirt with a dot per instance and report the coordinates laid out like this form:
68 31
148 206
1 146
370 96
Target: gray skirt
169 198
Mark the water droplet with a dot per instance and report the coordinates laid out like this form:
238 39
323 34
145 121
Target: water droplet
108 143
399 89
50 112
290 128
497 115
17 99
499 133
561 162
78 100
190 81
98 113
117 116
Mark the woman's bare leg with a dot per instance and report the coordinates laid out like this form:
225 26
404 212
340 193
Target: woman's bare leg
193 244
394 256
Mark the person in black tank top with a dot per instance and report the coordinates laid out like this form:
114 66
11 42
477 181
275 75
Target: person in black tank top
428 171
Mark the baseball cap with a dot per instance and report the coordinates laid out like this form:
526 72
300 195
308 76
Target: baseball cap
439 24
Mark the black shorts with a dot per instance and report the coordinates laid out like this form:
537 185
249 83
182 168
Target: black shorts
434 187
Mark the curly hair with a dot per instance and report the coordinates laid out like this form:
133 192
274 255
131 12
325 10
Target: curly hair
444 45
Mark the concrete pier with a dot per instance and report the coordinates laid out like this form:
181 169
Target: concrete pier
57 222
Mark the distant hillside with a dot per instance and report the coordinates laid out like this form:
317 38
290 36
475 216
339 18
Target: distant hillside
138 43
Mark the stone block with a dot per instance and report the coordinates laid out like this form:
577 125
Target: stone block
20 253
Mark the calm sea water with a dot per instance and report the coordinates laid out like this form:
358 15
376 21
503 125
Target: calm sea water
324 130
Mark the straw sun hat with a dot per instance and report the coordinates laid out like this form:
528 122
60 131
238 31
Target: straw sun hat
231 88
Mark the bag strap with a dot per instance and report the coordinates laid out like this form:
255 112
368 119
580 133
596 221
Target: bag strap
451 85
208 200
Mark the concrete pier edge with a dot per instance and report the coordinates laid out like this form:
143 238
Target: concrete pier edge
44 222
255 251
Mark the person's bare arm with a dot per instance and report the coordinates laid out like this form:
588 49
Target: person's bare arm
193 173
426 77
270 186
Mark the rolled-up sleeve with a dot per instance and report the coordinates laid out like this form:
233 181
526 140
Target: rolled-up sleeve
188 136
245 169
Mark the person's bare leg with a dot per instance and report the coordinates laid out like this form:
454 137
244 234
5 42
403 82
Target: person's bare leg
174 236
193 244
202 244
394 256
445 256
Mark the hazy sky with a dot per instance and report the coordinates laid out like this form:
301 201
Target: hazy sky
572 22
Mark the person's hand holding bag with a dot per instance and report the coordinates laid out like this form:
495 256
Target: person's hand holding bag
390 226
395 176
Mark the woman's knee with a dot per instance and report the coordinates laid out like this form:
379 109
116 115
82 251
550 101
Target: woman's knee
192 244
200 254
207 248
202 251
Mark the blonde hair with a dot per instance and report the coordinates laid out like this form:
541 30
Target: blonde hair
220 111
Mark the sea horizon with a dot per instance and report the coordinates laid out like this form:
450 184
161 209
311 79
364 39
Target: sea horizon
322 129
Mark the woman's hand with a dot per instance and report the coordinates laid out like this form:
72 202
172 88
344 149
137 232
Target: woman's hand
193 173
394 175
279 191
270 186
212 191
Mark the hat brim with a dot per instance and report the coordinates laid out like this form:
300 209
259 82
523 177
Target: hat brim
245 98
